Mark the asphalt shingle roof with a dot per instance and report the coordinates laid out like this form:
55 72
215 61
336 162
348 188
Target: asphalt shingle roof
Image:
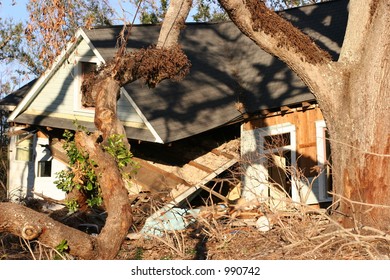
227 68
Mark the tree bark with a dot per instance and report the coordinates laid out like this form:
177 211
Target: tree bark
361 127
114 193
353 94
29 224
102 91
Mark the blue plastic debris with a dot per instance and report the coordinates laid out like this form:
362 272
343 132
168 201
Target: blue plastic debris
173 219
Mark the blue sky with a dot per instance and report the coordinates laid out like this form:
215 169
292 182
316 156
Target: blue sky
17 11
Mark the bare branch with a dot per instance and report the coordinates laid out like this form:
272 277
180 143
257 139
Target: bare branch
174 21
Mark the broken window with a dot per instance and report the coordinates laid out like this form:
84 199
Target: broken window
278 170
82 70
277 150
276 141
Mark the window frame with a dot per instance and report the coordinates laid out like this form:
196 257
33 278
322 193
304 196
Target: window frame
39 168
285 128
77 106
322 161
21 138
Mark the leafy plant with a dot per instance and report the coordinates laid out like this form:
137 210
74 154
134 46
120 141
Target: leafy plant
63 246
81 174
72 205
116 147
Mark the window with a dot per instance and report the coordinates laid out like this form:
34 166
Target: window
87 68
278 167
276 141
82 69
278 151
24 144
269 158
44 168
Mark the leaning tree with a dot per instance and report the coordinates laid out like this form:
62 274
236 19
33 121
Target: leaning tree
165 60
352 92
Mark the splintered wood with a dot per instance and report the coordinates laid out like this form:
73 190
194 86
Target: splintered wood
194 174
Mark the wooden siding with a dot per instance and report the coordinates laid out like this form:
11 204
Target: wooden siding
304 121
298 128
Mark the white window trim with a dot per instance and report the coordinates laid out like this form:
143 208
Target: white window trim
77 84
275 130
255 176
321 161
32 151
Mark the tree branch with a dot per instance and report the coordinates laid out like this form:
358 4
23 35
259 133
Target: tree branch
280 38
359 20
29 224
174 21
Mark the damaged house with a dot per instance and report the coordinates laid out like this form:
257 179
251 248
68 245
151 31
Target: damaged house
239 108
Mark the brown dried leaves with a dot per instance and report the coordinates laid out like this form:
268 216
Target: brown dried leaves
288 36
151 65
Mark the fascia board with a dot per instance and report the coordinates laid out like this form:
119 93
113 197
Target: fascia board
42 80
88 41
142 116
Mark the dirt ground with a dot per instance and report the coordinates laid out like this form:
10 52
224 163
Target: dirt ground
296 235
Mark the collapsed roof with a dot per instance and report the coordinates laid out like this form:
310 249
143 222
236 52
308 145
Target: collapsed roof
227 69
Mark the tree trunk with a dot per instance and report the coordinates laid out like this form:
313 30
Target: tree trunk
360 130
166 61
353 94
29 224
114 193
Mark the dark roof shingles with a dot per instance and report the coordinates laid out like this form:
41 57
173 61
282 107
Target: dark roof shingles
227 67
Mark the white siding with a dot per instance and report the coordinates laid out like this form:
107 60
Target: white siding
58 96
45 185
20 173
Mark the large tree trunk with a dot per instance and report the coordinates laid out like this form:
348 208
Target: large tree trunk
153 65
29 224
360 130
353 94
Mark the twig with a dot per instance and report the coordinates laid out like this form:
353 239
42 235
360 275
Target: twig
357 149
167 243
360 203
27 243
319 246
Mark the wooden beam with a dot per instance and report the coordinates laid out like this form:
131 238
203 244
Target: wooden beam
220 153
214 192
200 166
307 145
170 175
305 104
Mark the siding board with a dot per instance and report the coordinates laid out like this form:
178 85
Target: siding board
304 121
57 96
